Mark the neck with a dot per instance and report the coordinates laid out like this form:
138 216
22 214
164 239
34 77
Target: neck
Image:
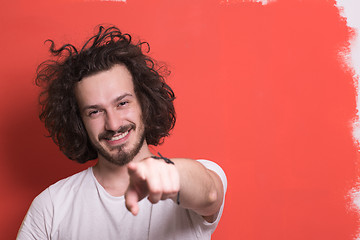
114 178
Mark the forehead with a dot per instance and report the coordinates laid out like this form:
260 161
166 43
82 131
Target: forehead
105 86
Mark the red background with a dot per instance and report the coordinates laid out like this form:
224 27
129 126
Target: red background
261 90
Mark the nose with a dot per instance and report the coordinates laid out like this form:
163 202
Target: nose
112 121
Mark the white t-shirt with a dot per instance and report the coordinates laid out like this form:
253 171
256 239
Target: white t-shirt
78 207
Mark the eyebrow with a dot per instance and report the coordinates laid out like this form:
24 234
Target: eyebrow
119 98
122 97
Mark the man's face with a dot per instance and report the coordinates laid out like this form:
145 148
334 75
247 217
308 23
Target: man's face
111 114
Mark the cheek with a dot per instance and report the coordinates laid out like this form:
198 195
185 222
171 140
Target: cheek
133 114
138 113
93 129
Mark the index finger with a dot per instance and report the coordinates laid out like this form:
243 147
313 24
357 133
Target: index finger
131 200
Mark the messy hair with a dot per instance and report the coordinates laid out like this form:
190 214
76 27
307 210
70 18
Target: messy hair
59 108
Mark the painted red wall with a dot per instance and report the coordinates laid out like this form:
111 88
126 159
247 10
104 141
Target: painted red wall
261 90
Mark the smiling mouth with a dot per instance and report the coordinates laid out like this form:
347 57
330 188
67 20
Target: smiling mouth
119 136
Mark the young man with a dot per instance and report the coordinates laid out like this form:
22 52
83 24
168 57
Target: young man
108 102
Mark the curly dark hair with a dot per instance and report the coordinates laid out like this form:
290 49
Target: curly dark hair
59 108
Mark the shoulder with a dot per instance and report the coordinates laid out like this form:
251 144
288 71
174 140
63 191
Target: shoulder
49 195
71 182
38 221
61 185
64 191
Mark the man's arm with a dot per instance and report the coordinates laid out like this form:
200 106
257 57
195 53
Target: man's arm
200 189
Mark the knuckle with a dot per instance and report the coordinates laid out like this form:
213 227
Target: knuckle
167 189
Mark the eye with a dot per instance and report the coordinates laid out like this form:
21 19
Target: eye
123 103
93 113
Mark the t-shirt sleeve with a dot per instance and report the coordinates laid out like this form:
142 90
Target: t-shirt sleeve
37 222
217 169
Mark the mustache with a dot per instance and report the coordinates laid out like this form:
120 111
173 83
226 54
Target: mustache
109 134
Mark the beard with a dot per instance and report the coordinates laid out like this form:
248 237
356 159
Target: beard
120 156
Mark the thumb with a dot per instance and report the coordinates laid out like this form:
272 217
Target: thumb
132 167
135 172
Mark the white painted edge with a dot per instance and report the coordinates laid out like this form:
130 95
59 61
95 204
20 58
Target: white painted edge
113 1
124 1
263 2
349 9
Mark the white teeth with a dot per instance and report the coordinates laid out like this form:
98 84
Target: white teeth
120 136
